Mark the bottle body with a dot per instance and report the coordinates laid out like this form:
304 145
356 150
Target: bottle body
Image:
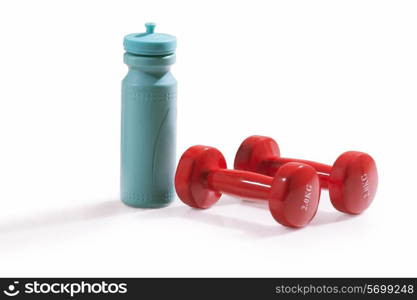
148 135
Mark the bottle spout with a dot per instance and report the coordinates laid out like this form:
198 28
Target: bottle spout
150 27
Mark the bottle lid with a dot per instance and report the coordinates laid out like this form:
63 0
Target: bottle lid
150 43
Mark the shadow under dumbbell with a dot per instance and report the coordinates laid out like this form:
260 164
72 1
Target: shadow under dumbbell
253 229
207 216
321 218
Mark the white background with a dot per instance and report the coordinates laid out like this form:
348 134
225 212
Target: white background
321 77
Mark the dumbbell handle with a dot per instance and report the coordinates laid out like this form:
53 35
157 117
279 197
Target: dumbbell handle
240 183
271 166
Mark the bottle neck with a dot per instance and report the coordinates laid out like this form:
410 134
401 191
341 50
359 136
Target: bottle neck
155 71
155 65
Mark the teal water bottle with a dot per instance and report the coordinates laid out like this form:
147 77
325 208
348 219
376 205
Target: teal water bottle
148 137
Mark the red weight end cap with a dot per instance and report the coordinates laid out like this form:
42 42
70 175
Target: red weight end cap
191 176
253 151
295 195
353 182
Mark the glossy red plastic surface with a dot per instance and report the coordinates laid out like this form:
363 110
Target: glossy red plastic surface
352 180
240 183
293 193
191 176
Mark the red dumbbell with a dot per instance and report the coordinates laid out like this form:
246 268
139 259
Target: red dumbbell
352 180
293 192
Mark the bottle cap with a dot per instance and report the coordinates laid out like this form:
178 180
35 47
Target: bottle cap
150 43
